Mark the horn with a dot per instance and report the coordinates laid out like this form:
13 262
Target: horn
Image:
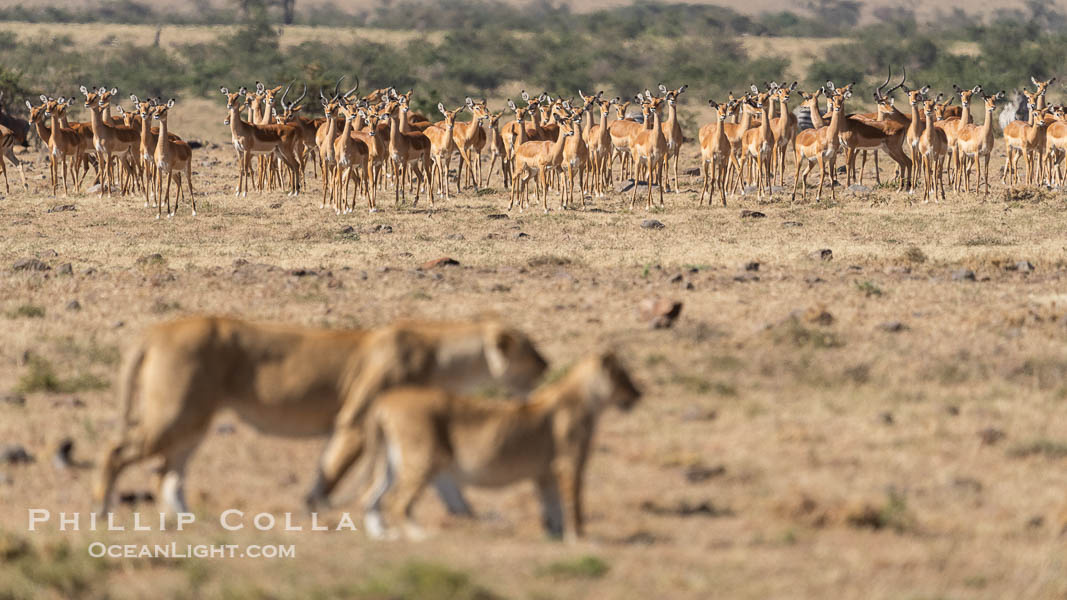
353 90
281 100
337 88
888 75
297 101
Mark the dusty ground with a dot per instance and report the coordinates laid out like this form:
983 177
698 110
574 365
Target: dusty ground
876 425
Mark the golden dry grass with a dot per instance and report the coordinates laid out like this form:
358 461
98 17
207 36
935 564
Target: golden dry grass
841 458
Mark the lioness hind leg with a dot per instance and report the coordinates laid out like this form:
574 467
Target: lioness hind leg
115 459
551 506
343 449
452 496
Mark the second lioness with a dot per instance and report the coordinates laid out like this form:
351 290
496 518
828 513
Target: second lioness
417 434
288 380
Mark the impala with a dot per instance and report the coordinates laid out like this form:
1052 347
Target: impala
536 157
933 148
672 130
821 144
757 143
715 153
110 141
649 150
442 145
1026 139
254 140
172 157
405 150
351 154
974 143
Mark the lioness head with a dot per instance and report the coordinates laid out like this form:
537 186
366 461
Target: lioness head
512 358
609 383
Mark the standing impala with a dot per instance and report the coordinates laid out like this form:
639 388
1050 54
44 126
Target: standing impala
442 145
784 128
974 143
820 145
253 140
408 150
757 144
933 147
649 150
351 154
600 148
536 157
171 158
110 141
715 153
672 130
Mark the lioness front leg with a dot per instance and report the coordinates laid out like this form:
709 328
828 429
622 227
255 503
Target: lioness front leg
569 480
551 507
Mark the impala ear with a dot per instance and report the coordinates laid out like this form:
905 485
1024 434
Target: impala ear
525 96
43 98
470 102
243 90
83 90
600 94
830 85
170 103
224 90
1033 80
662 89
925 90
511 104
441 107
977 89
793 87
114 91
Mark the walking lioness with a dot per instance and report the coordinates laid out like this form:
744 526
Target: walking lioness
289 380
416 434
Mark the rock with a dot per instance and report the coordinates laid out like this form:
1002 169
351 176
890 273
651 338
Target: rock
1023 266
699 413
47 254
65 269
497 216
276 205
68 402
822 254
752 214
886 418
698 473
752 265
692 172
134 498
522 236
892 326
1036 522
444 261
792 224
963 275
61 458
819 316
14 454
677 278
30 264
455 236
225 429
61 208
746 277
660 313
862 189
13 399
382 229
689 286
683 508
652 224
953 410
990 436
302 272
118 324
74 305
347 229
150 259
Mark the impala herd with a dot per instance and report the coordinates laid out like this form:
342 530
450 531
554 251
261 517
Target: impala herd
553 144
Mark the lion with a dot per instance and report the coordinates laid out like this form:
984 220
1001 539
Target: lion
416 434
292 381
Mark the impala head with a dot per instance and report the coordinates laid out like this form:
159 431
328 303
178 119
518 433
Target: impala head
494 119
1042 86
834 91
159 112
722 111
37 112
450 115
991 101
784 92
1031 99
233 101
92 97
965 95
620 108
915 97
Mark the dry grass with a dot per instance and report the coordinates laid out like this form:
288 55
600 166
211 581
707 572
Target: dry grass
856 460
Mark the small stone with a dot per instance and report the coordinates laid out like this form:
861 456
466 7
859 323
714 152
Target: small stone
302 272
822 254
692 172
455 236
990 436
698 473
65 269
13 399
30 264
689 286
699 413
363 275
522 236
792 224
89 272
953 410
677 278
61 208
819 315
659 312
500 287
444 261
1036 522
276 205
887 418
15 454
652 224
62 459
746 277
151 259
963 275
862 189
752 265
225 429
892 326
47 254
1023 266
347 229
74 305
752 214
497 216
118 324
382 229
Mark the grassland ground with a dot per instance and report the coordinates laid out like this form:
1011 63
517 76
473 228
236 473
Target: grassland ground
882 424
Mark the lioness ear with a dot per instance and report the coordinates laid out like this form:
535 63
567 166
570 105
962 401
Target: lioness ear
498 345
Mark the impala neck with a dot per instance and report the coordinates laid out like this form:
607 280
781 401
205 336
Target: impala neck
816 117
746 118
162 149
